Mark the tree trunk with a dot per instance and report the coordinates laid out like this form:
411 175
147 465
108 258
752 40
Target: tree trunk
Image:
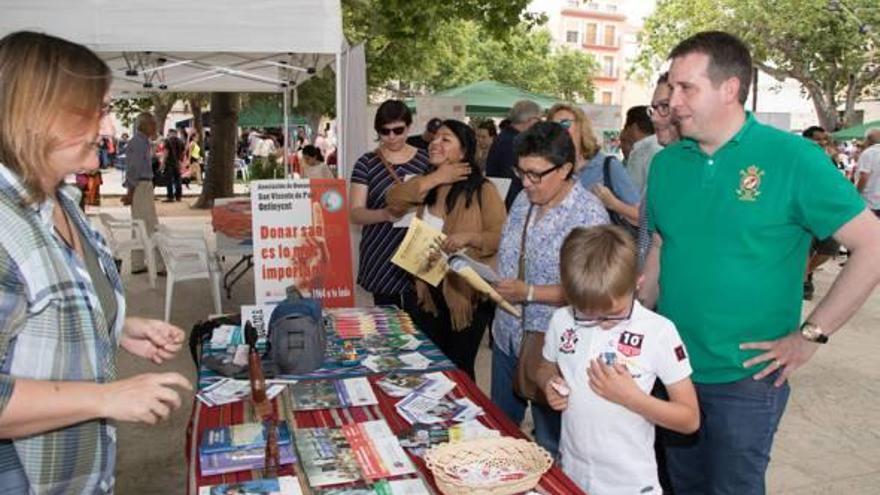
827 114
224 141
162 103
195 106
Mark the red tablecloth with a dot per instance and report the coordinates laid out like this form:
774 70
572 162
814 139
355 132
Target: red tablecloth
553 482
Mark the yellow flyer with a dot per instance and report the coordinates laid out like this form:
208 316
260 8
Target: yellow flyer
414 253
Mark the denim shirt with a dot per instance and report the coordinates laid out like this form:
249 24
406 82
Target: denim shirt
621 184
544 237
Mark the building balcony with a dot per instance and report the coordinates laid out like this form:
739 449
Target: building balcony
584 13
602 47
607 76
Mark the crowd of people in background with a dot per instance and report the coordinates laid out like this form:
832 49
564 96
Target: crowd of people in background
661 291
608 345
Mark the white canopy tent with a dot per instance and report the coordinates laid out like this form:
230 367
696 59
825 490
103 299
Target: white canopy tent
200 45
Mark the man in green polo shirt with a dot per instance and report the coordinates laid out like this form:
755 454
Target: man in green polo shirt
734 205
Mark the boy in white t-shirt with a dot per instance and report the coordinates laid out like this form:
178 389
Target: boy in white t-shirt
601 357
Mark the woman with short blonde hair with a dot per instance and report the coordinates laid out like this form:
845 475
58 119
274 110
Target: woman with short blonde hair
585 143
601 174
63 303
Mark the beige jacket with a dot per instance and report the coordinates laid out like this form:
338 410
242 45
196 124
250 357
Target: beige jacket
485 217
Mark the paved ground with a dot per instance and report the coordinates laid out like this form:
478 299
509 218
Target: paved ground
829 440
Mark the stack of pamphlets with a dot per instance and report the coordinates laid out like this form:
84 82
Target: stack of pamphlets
392 343
367 450
426 401
285 485
229 390
241 447
418 439
310 395
390 362
417 408
402 384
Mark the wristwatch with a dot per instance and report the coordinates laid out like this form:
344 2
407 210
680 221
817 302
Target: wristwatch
813 333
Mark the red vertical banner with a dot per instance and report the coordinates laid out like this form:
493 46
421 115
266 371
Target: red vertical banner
301 238
335 283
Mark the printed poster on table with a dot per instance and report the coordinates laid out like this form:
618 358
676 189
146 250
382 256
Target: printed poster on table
301 238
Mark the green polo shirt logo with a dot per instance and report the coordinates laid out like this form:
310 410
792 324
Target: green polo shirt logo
750 183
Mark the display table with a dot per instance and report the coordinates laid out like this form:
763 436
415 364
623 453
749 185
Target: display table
553 482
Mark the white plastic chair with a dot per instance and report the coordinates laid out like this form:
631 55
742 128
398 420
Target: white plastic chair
135 238
187 258
241 168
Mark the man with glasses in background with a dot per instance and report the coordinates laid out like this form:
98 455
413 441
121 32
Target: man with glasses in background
665 133
501 158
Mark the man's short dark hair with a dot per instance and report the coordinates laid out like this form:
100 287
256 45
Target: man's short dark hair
433 125
547 140
728 57
663 79
638 115
811 131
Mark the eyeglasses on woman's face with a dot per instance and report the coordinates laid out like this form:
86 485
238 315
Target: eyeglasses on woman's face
396 130
534 177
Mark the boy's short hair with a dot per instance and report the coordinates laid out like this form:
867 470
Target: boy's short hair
598 265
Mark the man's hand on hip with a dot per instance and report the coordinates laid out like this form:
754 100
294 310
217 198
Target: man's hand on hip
789 353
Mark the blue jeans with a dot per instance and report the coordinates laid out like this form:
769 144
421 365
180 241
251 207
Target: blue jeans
547 421
730 452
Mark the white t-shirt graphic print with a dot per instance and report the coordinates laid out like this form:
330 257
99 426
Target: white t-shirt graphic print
605 448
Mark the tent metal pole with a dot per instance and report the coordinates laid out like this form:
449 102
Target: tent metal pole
341 124
286 103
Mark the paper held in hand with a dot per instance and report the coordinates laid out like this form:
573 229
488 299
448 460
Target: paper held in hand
480 277
414 256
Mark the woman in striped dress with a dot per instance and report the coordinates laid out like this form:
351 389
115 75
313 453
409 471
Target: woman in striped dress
373 174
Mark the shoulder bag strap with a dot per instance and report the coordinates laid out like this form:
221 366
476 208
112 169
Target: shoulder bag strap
606 172
521 273
388 166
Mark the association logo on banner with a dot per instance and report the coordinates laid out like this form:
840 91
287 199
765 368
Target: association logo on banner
301 238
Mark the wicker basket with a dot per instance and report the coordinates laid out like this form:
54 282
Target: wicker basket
451 462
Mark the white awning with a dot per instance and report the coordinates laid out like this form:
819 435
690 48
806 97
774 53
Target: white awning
193 45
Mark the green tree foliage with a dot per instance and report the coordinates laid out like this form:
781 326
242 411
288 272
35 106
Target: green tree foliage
465 52
828 47
399 33
128 108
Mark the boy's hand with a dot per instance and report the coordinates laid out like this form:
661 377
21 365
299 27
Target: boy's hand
553 391
613 383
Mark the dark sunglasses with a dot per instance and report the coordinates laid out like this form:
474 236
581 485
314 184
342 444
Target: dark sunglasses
385 131
591 321
565 123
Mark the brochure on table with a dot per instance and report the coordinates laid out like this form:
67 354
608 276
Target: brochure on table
300 229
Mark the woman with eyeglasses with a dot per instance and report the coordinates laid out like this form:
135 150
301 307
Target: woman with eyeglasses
457 199
392 162
619 195
551 204
63 305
